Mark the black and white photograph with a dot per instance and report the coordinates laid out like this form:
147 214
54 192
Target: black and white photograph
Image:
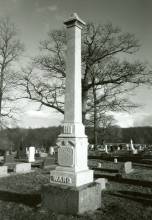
75 110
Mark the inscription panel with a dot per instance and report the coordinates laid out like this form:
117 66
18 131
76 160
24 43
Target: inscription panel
60 179
66 156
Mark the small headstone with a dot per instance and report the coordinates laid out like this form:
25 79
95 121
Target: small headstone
99 165
31 154
3 171
115 160
134 151
51 151
106 149
7 152
23 168
127 146
128 167
102 182
92 146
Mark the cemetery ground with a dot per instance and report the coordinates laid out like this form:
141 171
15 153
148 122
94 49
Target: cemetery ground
20 197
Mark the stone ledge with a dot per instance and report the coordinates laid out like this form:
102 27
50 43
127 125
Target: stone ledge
71 200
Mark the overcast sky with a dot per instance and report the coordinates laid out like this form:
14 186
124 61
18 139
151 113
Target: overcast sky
35 17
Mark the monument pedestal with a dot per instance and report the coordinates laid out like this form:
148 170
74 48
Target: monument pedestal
71 200
71 178
72 160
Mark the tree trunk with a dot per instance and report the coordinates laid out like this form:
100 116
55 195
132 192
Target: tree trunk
84 104
1 89
95 115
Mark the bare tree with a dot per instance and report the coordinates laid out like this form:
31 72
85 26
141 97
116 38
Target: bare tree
105 67
10 50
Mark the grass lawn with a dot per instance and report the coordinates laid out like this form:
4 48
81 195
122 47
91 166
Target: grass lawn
20 200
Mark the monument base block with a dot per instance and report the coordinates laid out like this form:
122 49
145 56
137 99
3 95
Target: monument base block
71 200
75 179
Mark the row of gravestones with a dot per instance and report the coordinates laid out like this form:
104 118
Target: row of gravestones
32 152
18 167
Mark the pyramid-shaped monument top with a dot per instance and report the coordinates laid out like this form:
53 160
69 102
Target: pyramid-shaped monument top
74 20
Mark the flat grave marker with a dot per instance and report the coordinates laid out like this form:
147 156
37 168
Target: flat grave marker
22 168
3 171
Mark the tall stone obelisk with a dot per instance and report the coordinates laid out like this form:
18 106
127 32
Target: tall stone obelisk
71 189
73 143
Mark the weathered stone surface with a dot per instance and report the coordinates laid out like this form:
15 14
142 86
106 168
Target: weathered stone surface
3 171
102 182
23 167
71 200
128 167
66 156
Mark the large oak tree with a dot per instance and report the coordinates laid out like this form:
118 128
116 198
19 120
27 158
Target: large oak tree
109 70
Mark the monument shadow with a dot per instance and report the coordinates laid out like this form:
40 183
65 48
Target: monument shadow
32 199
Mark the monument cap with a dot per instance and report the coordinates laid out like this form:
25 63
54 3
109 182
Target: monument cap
74 20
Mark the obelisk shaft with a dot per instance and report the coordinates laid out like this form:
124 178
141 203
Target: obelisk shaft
73 95
73 98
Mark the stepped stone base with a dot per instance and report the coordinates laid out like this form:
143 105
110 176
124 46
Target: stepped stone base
71 200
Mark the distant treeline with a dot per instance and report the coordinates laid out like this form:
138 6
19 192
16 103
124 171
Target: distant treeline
20 137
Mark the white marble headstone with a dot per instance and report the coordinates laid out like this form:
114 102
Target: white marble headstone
31 154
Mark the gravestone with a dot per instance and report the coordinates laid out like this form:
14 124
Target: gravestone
3 171
127 146
102 182
106 148
72 176
51 151
99 165
22 167
128 167
31 154
115 160
134 151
